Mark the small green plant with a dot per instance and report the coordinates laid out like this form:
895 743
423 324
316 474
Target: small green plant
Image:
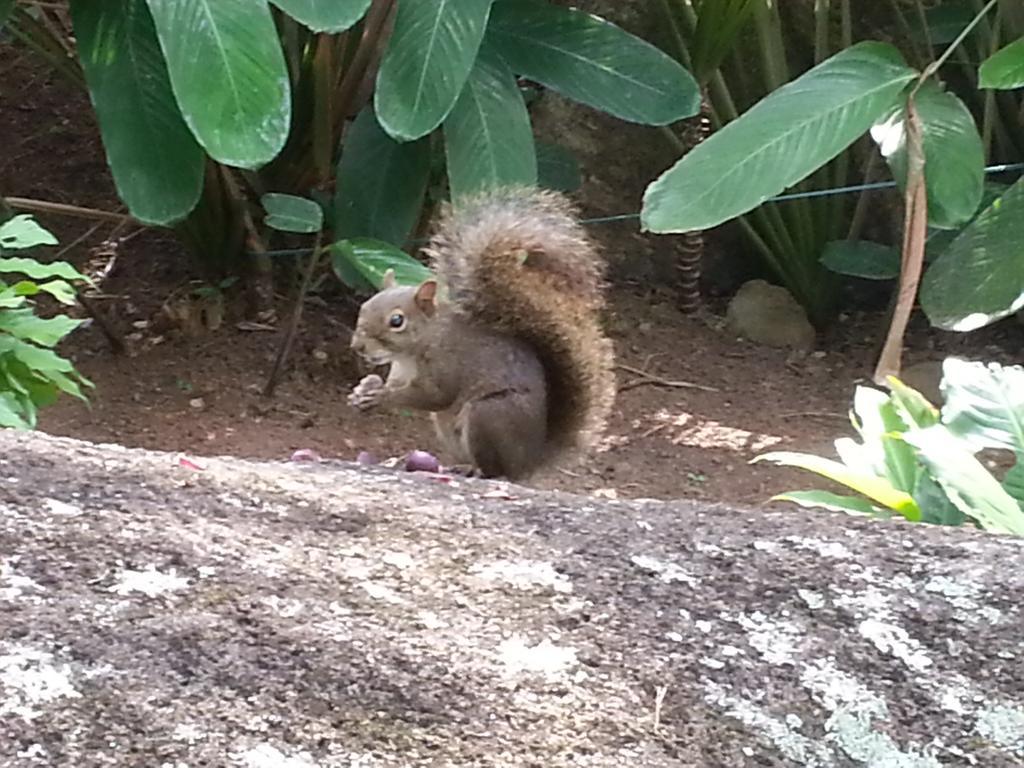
32 375
920 463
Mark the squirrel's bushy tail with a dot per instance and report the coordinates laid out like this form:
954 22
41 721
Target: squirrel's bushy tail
518 260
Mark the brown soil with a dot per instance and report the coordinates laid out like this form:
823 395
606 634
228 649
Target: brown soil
201 395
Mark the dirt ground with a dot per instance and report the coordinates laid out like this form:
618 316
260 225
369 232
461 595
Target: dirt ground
201 395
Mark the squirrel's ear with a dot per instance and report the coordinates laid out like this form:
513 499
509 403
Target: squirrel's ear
388 281
426 297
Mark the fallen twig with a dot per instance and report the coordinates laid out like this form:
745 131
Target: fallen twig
649 379
44 206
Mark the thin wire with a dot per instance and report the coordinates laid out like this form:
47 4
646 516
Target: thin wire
777 199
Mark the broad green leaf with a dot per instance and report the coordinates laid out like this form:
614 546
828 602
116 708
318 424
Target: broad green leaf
939 239
901 467
834 502
1005 68
381 183
979 278
936 508
967 483
862 258
363 261
25 324
592 61
557 168
984 403
23 232
228 74
487 136
426 62
11 413
954 156
779 141
1013 483
325 15
876 488
290 213
157 164
39 270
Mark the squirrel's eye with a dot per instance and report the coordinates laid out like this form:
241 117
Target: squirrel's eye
397 320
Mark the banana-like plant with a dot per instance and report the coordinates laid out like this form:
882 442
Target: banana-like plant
204 106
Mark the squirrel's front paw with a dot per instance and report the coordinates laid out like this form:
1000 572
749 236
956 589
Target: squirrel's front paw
368 393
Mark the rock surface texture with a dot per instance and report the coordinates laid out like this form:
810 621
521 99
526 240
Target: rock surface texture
156 612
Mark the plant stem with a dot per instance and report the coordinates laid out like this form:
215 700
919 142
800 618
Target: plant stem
914 235
62 209
293 324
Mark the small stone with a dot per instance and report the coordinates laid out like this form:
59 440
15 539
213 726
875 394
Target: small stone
768 314
320 355
197 403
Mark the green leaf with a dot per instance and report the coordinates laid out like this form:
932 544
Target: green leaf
862 258
779 141
24 324
60 290
592 61
290 213
939 239
557 168
936 508
364 261
45 363
157 164
321 16
228 74
426 63
381 183
979 278
984 403
488 138
38 270
954 156
1013 483
877 488
30 390
11 413
22 232
1004 69
834 502
967 483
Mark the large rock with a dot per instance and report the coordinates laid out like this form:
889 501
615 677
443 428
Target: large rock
155 613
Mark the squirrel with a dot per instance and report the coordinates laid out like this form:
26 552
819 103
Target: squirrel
503 345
